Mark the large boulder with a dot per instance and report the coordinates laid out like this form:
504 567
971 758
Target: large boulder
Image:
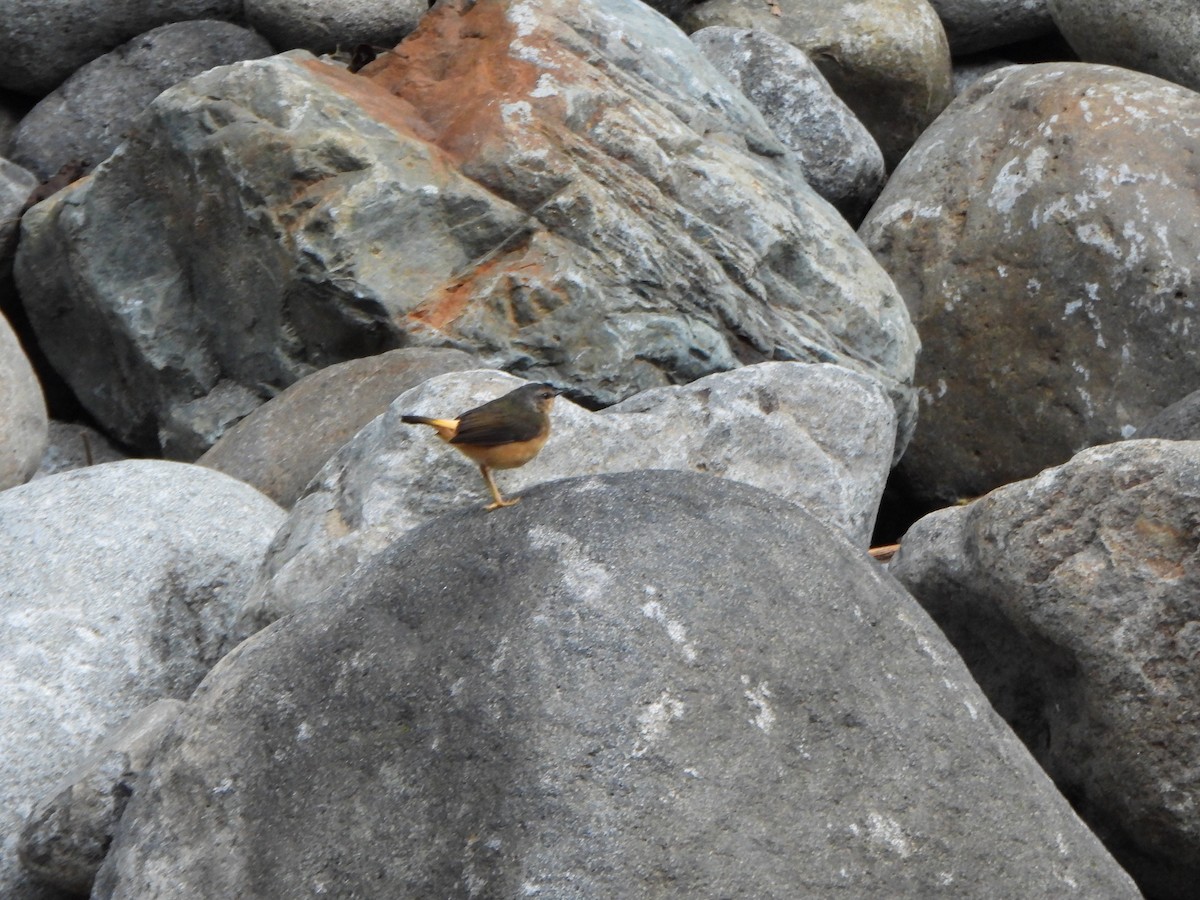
1075 599
1044 235
974 25
24 426
119 585
819 436
320 25
614 217
643 685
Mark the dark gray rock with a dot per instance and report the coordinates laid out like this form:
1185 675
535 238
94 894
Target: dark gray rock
321 25
46 40
281 445
838 156
640 685
1044 235
23 421
1075 599
69 831
16 184
89 114
1178 422
974 25
72 445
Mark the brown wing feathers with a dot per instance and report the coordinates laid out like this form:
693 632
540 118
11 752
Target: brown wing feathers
500 425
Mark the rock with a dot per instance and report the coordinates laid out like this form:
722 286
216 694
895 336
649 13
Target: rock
887 59
838 156
819 436
47 40
967 72
642 685
1178 422
1159 38
617 217
321 25
69 831
73 445
280 446
973 25
12 108
118 586
1073 598
1049 264
23 422
16 184
91 112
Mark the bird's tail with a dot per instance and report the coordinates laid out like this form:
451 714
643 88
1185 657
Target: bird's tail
446 428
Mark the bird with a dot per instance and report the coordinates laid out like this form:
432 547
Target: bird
502 434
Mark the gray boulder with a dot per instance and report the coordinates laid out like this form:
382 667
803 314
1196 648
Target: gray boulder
73 445
1155 36
642 685
887 59
1073 598
23 421
90 113
70 829
1050 266
46 40
281 445
819 436
1178 422
321 25
838 156
670 237
974 25
118 586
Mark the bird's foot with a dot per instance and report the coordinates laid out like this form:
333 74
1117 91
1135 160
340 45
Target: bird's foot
499 503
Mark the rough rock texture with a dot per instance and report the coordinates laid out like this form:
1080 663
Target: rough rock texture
973 25
118 586
12 108
46 40
838 156
1155 36
281 445
73 445
646 685
579 197
1043 233
1178 422
1075 599
69 831
819 436
23 422
888 59
91 112
320 25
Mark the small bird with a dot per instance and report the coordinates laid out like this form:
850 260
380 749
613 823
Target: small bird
502 434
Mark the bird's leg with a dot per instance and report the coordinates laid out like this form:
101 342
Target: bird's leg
500 501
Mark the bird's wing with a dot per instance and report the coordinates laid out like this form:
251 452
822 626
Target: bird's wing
487 427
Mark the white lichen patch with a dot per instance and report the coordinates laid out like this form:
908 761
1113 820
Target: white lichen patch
1015 179
758 697
583 578
546 87
654 721
888 833
517 112
675 630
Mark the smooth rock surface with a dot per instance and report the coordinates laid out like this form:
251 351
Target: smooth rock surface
888 59
23 421
321 25
1075 599
118 586
642 685
819 436
1043 233
90 113
280 446
974 25
73 445
838 156
1178 422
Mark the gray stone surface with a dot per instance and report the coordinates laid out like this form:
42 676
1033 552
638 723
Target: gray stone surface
665 238
819 436
1075 599
47 40
838 156
16 184
1044 235
321 25
73 445
1155 36
90 113
281 445
1178 422
888 59
70 829
642 685
974 25
118 586
23 421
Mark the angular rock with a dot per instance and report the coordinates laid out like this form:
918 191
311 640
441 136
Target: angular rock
819 436
16 184
46 40
887 59
838 156
90 113
974 25
1073 597
644 685
280 446
1159 37
615 217
69 831
118 586
1178 422
321 25
1044 235
73 445
23 421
